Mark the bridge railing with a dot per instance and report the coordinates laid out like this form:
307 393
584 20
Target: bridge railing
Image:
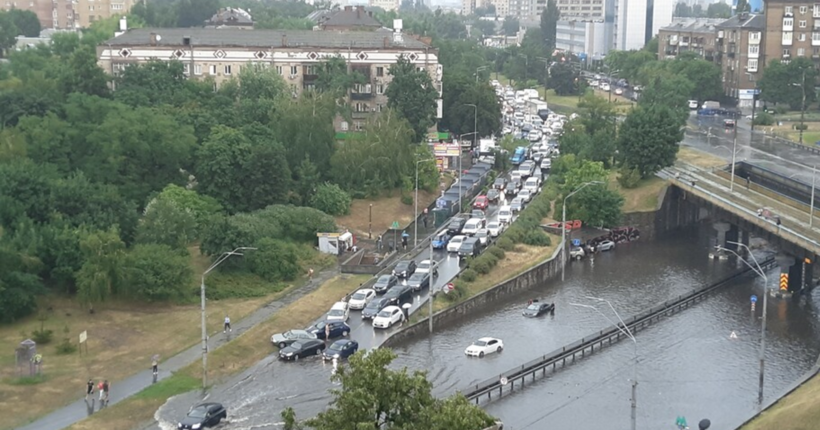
607 334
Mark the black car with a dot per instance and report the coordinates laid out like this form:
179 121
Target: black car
404 268
301 349
493 195
500 183
536 309
204 415
419 281
456 224
512 188
471 247
399 294
337 329
384 283
340 349
374 307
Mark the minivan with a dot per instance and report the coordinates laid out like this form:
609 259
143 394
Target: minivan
471 247
473 226
505 214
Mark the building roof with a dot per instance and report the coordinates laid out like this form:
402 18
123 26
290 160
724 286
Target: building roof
271 39
352 16
230 16
319 15
693 25
745 20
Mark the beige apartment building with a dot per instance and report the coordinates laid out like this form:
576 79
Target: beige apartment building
220 54
51 13
792 30
740 44
689 35
88 11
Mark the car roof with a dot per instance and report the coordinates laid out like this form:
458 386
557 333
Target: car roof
474 220
365 290
385 277
507 207
391 308
207 405
339 305
459 237
487 339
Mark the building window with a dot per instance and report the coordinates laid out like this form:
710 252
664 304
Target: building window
754 50
816 50
803 10
361 107
212 70
751 66
294 70
801 23
379 71
197 69
116 6
787 52
815 37
787 37
788 10
228 69
379 88
754 37
801 37
801 52
788 24
279 70
379 107
359 126
816 11
344 126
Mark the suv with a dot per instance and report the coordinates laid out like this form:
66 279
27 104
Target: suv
471 247
512 188
456 224
473 226
404 268
500 183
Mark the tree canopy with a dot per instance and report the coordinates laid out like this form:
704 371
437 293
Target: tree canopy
412 95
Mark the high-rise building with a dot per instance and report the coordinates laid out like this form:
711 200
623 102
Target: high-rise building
387 5
89 11
636 21
57 14
580 37
583 10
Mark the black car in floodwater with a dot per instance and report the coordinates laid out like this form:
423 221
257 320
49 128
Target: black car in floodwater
203 415
301 349
536 309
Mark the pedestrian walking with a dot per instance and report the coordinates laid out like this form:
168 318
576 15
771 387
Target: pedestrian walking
154 365
227 326
100 389
748 182
379 243
310 274
89 389
424 221
777 218
106 387
327 331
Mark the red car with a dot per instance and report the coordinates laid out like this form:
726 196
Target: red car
481 202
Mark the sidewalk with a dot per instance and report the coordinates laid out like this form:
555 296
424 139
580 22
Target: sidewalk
120 390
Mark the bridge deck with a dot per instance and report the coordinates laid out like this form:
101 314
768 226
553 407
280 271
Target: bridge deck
745 203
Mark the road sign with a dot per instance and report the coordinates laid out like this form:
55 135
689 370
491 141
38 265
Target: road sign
83 336
503 380
754 298
395 225
576 242
448 287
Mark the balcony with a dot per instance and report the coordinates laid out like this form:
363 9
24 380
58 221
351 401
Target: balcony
310 78
730 54
361 96
360 115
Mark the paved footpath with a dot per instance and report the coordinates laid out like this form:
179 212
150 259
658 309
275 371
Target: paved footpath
121 390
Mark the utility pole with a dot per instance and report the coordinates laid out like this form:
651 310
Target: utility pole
813 180
431 291
803 110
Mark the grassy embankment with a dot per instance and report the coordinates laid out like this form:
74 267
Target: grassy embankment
800 410
238 355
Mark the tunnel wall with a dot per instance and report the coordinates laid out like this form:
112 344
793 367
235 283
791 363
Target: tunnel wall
674 211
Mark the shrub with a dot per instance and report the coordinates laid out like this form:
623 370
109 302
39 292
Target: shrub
274 260
458 292
157 272
42 336
629 178
66 347
497 252
537 238
763 118
481 265
407 198
780 109
468 275
331 199
505 243
803 127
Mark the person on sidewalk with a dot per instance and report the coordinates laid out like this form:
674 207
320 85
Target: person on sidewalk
100 389
310 274
227 326
154 366
89 389
106 387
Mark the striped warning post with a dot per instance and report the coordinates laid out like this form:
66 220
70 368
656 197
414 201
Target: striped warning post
784 281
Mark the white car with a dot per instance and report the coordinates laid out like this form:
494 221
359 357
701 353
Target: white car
483 236
455 243
619 92
515 175
606 245
484 346
426 266
495 228
532 184
361 298
338 312
387 317
473 226
525 195
546 163
605 87
504 216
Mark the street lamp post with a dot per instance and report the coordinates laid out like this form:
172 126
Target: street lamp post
624 329
564 224
734 160
813 181
460 156
431 289
216 263
760 272
754 98
803 107
416 224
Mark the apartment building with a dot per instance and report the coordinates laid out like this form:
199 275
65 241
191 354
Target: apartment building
581 37
387 5
468 7
219 54
502 8
741 55
351 18
89 11
636 21
582 10
698 35
792 30
57 14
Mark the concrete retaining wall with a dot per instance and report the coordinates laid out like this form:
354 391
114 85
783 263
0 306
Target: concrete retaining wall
530 278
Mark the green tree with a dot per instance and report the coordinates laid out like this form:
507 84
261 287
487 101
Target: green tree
81 74
412 95
155 272
705 77
201 206
549 25
307 180
100 276
461 91
652 46
59 251
596 206
8 32
648 139
511 26
331 199
26 22
563 79
373 396
783 83
305 127
333 76
19 284
274 260
166 223
255 95
719 10
153 83
192 13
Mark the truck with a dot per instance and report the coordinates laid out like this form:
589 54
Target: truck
710 105
536 105
486 146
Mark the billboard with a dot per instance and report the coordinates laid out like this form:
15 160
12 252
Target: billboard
581 10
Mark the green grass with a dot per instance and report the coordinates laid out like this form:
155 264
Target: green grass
176 384
28 380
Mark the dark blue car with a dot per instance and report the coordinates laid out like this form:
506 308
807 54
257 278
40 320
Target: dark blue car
337 329
440 241
340 349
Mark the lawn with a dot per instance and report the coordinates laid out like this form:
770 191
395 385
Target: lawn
385 211
643 198
700 158
810 135
800 410
241 353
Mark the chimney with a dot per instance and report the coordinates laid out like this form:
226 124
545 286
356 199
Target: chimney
123 24
153 39
284 40
386 42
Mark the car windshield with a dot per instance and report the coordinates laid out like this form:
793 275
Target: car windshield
336 347
290 334
457 239
440 238
424 265
359 296
480 343
481 233
467 246
504 213
384 279
336 312
297 345
533 307
198 413
385 314
417 277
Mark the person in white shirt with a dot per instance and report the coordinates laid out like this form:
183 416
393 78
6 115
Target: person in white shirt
227 327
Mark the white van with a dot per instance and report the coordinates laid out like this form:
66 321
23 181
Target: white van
473 226
505 214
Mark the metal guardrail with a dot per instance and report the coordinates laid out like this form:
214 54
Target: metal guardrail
608 335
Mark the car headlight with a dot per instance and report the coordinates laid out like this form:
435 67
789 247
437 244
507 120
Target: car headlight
196 426
335 355
179 426
290 354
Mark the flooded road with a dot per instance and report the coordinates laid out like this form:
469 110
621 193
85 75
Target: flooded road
688 365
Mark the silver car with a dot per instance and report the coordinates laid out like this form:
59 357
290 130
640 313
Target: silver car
283 340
